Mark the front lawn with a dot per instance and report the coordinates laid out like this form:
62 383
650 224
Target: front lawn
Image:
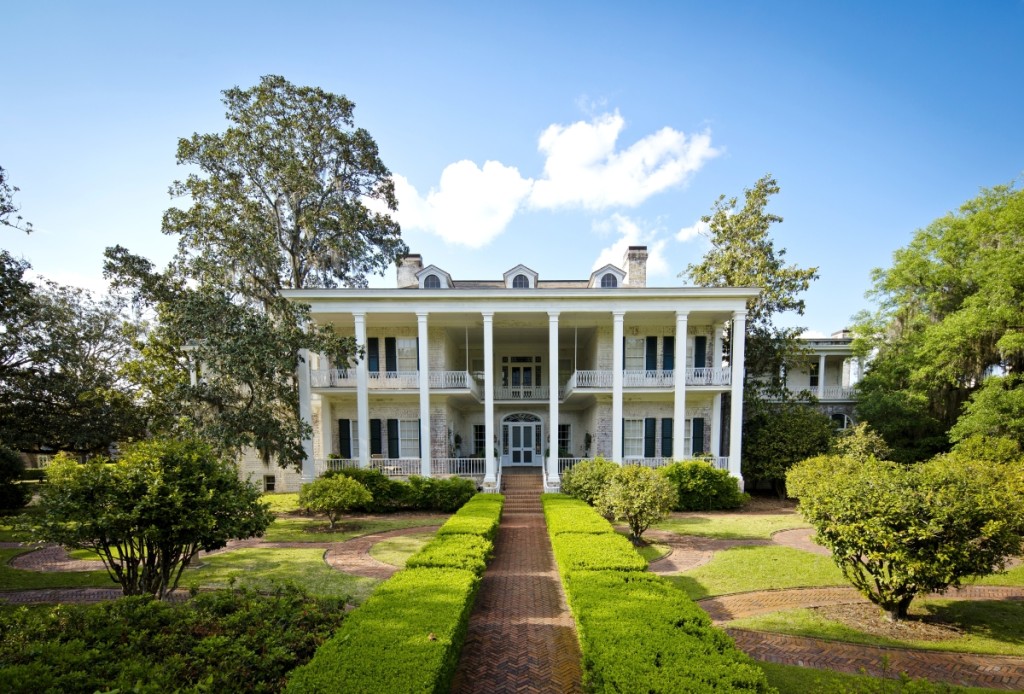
744 569
316 530
397 550
793 679
732 526
282 502
19 579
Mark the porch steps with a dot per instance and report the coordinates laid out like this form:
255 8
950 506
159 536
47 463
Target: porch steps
522 490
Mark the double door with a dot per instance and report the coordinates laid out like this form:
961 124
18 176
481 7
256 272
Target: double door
523 443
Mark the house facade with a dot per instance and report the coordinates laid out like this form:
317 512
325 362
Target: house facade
830 372
472 377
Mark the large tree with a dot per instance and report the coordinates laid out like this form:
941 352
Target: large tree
950 316
280 197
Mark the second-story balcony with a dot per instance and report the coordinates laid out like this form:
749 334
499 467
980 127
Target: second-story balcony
602 380
394 380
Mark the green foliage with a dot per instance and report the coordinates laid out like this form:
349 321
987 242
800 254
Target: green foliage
437 494
995 410
149 514
702 487
214 642
478 516
597 552
333 496
451 551
995 449
860 442
13 495
638 495
778 435
588 478
388 494
899 531
564 514
8 208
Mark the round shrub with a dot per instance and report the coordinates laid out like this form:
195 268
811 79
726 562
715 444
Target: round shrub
638 495
12 495
439 494
333 496
702 487
588 478
388 494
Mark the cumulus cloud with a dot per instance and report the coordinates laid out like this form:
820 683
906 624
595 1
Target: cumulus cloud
693 231
631 234
584 169
813 335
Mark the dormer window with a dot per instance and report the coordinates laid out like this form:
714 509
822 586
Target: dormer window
431 282
520 277
609 281
520 282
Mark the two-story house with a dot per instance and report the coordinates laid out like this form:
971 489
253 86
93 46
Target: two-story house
471 377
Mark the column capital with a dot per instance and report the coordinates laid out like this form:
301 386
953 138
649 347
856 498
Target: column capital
618 315
359 314
739 315
488 315
553 315
422 314
682 315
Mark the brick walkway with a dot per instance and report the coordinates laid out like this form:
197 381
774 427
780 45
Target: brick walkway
521 635
690 551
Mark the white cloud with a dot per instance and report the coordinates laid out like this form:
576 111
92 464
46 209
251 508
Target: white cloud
631 234
583 168
813 335
471 205
95 284
693 231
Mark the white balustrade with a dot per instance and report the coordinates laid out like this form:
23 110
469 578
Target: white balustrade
471 468
837 393
708 376
521 392
394 380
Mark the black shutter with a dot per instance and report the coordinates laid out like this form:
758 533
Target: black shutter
651 353
700 351
390 355
623 353
666 437
345 438
417 354
394 447
698 435
649 436
375 445
419 443
373 354
668 354
623 437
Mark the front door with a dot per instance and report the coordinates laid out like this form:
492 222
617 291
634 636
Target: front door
522 381
522 443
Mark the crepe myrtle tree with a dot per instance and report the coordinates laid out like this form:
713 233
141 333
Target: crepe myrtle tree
638 495
899 531
150 513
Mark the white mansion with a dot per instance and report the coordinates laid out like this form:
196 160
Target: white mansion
469 377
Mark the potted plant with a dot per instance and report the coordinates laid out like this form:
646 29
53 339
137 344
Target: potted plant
458 445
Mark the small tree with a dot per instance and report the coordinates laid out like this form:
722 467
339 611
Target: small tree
860 442
150 513
778 435
12 494
898 531
333 496
639 496
588 478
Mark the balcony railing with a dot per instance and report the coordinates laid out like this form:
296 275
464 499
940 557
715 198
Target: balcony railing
393 380
701 376
709 376
837 393
471 468
722 463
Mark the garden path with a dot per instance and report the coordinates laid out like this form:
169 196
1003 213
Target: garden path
521 636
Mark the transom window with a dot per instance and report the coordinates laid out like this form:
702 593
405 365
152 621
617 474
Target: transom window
520 282
432 282
609 281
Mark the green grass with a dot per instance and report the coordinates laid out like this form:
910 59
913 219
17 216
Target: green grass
9 525
397 550
262 568
282 502
315 530
994 627
743 569
792 679
653 551
1013 577
18 579
733 526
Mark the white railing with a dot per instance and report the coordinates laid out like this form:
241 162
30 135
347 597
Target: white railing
648 462
722 463
590 379
647 379
708 376
333 378
472 468
393 380
521 392
451 380
567 464
701 376
397 467
320 465
836 393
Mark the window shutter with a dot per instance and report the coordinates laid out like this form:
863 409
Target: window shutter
668 353
700 351
417 354
419 443
666 437
651 353
345 438
698 435
623 354
373 354
623 437
375 444
649 436
390 355
394 448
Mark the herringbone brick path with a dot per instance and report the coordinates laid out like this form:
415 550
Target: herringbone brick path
521 635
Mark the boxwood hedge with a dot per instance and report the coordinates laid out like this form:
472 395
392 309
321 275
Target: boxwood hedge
605 551
469 552
567 515
479 516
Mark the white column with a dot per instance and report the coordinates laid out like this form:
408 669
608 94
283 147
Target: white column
306 415
716 426
738 338
491 465
362 393
424 377
553 398
326 430
679 404
717 357
618 318
821 376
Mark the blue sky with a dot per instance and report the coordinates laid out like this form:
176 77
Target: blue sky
549 134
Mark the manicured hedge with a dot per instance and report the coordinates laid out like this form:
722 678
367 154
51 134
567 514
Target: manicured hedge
567 515
407 636
637 631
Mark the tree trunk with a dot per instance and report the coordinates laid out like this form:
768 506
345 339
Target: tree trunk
897 611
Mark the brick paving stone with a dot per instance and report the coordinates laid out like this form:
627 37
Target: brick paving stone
353 556
690 551
800 538
521 635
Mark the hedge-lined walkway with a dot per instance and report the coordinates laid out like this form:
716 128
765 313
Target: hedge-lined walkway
521 635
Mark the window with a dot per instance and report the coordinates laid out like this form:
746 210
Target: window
269 483
633 355
409 438
840 421
688 439
609 281
407 348
354 439
814 375
520 282
564 440
633 438
431 282
43 460
479 439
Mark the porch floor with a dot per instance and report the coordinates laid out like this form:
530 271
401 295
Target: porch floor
521 635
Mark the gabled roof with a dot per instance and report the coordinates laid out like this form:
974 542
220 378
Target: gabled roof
446 279
598 274
520 270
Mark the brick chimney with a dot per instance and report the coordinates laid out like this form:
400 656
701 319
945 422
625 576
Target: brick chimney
635 265
408 266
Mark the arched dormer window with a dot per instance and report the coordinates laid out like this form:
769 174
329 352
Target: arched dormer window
609 281
520 282
431 282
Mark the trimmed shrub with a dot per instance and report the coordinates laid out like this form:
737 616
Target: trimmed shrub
478 516
434 494
638 495
13 495
566 515
703 487
605 551
388 495
470 552
333 496
588 478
